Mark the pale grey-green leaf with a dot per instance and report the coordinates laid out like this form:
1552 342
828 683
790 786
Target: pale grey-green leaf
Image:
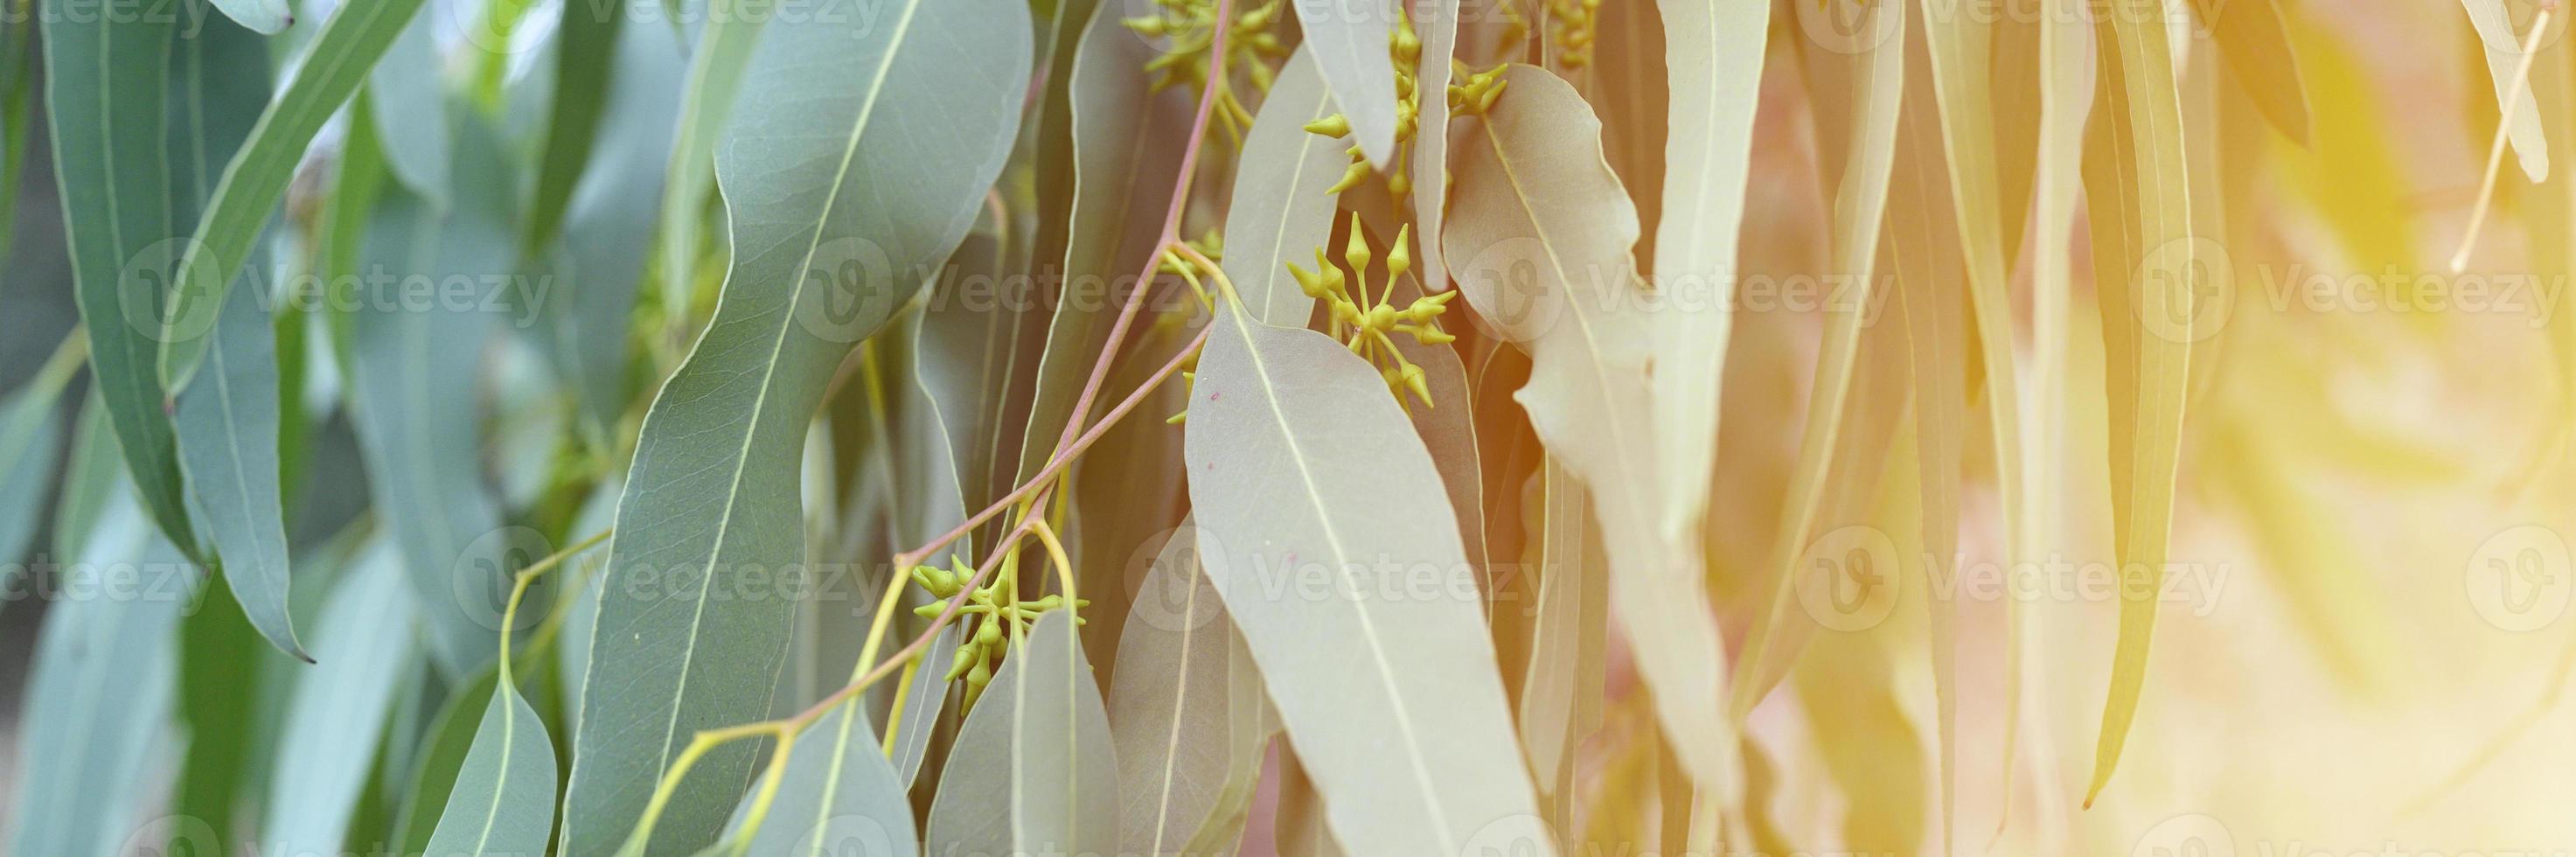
364 653
838 796
415 385
1324 526
410 112
1033 770
857 157
1349 38
1189 739
1281 212
504 799
100 693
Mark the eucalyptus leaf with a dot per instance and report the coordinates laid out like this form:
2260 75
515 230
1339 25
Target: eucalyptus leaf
1347 576
1541 245
108 81
263 16
839 795
716 64
504 798
339 709
1714 49
407 92
350 42
608 231
858 157
585 55
100 691
1349 38
1127 142
1033 770
1281 212
31 447
228 429
1190 738
416 345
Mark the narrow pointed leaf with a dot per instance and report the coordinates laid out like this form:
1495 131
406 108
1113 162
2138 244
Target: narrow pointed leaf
1126 156
1280 212
839 795
586 36
1189 746
1033 770
96 700
1394 701
416 396
107 84
857 158
1438 22
339 710
1349 38
228 429
1540 242
1874 80
716 63
1714 51
2145 263
504 799
255 178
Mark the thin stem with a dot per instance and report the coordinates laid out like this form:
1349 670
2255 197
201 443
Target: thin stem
1045 478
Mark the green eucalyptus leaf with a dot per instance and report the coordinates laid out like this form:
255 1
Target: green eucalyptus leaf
356 35
264 16
1034 770
858 157
99 696
1349 38
107 95
586 37
429 294
31 446
339 710
1127 143
408 97
228 427
838 795
716 65
504 797
608 235
441 757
